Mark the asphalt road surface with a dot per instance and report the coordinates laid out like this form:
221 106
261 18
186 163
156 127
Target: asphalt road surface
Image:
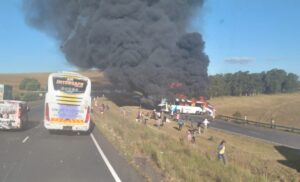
35 155
277 137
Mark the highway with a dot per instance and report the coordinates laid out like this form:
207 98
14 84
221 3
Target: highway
35 155
276 137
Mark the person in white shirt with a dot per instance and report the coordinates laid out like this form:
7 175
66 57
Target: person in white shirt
205 123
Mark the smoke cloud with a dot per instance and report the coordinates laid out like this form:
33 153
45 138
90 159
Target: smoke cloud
141 45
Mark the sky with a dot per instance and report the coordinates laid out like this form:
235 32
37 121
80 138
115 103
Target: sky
255 36
241 35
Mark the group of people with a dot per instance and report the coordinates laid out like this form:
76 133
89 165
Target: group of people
159 118
101 107
202 125
140 117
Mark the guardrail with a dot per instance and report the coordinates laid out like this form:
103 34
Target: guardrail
259 124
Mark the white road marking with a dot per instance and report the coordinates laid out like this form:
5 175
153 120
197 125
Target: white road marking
111 169
25 139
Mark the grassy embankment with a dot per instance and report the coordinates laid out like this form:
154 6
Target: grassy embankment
168 150
284 108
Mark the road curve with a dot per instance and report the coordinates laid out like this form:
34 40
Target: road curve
35 155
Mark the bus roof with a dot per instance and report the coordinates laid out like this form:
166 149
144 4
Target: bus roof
69 75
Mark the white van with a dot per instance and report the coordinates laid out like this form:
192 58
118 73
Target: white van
13 114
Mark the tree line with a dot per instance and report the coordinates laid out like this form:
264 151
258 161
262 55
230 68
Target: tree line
246 83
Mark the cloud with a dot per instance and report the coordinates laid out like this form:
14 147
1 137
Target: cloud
239 60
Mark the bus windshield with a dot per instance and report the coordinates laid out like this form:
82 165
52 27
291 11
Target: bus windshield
70 86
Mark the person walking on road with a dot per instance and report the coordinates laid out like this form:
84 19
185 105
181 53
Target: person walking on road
205 123
221 152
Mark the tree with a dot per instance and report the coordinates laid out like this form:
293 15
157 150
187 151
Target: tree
256 85
217 85
244 83
274 81
30 84
290 83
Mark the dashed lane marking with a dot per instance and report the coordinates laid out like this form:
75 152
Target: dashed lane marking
25 139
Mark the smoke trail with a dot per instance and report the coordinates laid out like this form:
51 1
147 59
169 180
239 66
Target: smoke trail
140 44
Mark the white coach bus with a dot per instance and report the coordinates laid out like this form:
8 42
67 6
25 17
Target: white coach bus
68 102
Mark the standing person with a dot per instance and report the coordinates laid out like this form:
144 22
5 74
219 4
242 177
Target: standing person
162 116
189 136
180 124
193 136
205 123
177 116
199 126
139 116
103 106
101 109
107 107
158 122
158 115
95 102
272 123
153 116
221 152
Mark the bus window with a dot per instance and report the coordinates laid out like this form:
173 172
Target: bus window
70 86
199 105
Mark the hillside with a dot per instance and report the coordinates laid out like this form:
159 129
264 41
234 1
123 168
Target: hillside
97 78
284 108
167 150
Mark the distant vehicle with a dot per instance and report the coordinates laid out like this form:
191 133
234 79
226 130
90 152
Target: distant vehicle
13 114
5 92
68 102
186 106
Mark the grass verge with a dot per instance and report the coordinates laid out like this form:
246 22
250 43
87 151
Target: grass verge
178 160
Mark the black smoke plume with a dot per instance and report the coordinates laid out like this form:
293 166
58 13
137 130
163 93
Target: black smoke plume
142 45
